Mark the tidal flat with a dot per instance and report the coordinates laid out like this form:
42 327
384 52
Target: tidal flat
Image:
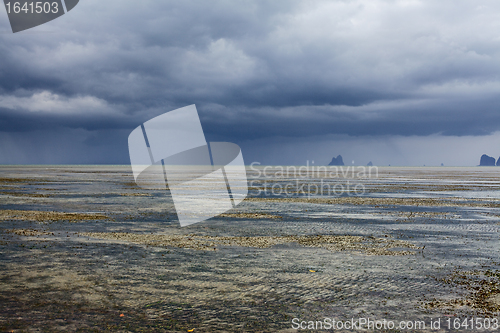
84 249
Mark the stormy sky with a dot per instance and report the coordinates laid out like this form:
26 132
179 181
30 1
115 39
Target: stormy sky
393 82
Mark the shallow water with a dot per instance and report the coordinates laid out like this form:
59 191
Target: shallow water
410 234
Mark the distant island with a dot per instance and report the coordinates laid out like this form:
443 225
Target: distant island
488 161
337 161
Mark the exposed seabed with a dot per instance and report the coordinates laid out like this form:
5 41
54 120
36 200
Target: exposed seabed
82 248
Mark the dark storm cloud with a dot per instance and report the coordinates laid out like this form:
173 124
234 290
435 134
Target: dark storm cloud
259 68
454 118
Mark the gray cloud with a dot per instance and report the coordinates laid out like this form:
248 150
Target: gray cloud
257 69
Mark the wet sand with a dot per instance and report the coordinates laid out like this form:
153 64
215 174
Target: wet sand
84 249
